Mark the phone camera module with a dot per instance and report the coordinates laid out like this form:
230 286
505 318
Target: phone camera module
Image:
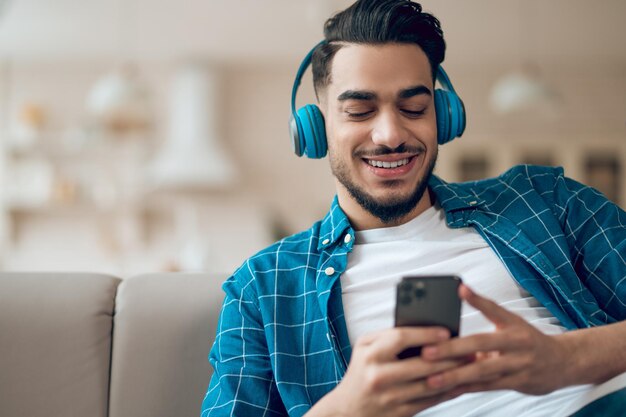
405 299
406 287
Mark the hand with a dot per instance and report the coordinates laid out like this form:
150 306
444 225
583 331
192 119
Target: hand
516 356
378 383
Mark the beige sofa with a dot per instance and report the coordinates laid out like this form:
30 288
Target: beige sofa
79 344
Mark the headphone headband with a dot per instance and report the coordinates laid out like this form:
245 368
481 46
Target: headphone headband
443 79
303 66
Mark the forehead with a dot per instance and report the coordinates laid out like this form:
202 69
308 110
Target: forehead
383 69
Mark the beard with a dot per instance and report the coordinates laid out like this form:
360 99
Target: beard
391 209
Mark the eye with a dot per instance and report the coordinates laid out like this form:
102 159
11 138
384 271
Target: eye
414 113
359 115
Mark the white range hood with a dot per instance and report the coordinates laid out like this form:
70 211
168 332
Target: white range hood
192 156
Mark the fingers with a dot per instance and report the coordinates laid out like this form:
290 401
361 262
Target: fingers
410 392
479 373
385 346
506 382
496 314
410 398
406 372
469 346
412 369
415 406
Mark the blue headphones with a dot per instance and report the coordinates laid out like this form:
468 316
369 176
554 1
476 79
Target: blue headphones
308 133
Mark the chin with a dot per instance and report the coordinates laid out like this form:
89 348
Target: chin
389 200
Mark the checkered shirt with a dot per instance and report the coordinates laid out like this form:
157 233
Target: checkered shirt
282 341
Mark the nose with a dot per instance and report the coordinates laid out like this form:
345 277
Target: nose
389 131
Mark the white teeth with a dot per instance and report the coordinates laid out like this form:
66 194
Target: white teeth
394 164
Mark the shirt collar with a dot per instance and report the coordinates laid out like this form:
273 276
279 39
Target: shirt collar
452 197
333 226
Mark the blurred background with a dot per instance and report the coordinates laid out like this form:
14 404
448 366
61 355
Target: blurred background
151 135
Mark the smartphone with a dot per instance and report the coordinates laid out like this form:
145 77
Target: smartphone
428 301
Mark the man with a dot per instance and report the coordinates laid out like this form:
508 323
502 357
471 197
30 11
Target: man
307 324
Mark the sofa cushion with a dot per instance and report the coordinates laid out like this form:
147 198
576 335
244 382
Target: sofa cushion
55 343
164 326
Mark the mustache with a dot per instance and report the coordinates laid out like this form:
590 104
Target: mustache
386 150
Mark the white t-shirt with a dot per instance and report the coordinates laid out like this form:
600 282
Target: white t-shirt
427 246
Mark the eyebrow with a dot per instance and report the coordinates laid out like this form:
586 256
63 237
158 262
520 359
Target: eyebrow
364 95
357 95
415 91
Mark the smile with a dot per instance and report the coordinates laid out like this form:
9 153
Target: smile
385 164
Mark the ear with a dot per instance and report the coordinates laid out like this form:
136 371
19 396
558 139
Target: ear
322 98
323 104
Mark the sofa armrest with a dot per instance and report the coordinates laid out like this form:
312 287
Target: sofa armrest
55 343
164 327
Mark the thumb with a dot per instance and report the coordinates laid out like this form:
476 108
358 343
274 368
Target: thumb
496 314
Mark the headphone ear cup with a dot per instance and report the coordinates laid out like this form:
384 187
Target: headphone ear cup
295 131
443 117
312 132
457 115
450 116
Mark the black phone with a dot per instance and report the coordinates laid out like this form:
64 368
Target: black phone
428 301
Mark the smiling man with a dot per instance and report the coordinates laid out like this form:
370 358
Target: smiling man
307 324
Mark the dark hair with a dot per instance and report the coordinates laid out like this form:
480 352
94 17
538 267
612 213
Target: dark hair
378 22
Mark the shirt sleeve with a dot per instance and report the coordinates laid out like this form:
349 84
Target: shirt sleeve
595 229
243 383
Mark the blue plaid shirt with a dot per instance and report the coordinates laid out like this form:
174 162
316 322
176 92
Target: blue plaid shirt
282 342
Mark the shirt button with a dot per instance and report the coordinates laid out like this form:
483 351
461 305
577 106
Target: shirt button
329 271
325 241
348 238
